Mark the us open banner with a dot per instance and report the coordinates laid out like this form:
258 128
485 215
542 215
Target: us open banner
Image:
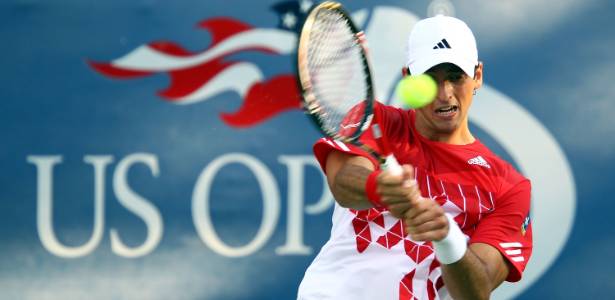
157 149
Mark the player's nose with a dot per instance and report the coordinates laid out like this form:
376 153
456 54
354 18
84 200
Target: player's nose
445 91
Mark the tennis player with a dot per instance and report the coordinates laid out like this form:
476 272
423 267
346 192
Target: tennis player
455 224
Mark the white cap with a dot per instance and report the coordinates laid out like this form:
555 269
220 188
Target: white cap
441 39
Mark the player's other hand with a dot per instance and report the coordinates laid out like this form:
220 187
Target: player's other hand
425 220
396 191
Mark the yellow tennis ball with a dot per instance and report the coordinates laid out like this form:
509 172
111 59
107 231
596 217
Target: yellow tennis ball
417 91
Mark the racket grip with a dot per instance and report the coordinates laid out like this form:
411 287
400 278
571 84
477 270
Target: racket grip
391 165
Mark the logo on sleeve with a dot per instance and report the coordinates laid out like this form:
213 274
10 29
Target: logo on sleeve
479 160
525 224
513 250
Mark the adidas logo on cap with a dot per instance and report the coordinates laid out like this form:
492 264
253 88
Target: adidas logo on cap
442 45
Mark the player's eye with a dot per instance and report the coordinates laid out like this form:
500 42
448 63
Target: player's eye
455 77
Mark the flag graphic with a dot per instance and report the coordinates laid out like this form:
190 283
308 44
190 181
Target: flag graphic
199 76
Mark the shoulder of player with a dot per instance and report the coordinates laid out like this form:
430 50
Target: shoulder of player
507 175
496 163
395 120
389 109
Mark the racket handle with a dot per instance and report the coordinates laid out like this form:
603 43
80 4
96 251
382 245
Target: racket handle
391 165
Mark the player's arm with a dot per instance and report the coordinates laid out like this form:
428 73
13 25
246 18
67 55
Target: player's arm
473 272
347 175
477 270
480 271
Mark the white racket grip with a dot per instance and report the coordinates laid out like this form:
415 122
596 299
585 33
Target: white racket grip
392 166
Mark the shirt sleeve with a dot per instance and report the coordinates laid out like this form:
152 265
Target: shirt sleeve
324 146
391 122
508 228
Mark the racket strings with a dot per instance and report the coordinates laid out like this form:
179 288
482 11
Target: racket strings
339 82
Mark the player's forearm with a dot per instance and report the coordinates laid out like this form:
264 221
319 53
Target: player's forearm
348 187
468 278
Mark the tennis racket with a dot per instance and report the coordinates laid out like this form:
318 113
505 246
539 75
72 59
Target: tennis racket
336 81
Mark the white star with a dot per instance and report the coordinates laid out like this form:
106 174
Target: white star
305 5
289 20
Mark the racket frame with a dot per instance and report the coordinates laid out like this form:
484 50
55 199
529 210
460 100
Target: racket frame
311 104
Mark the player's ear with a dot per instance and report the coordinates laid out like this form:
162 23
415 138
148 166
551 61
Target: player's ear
405 71
478 75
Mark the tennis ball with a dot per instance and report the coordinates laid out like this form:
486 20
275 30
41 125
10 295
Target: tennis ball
417 91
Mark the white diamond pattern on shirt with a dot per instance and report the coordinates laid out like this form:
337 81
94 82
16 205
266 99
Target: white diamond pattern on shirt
465 203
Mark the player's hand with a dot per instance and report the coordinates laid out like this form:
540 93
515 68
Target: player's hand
425 220
397 190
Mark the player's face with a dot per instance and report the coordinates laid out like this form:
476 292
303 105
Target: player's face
446 118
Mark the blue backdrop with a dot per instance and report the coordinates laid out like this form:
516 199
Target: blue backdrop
136 165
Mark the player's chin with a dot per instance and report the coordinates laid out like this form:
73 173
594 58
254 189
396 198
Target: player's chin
446 127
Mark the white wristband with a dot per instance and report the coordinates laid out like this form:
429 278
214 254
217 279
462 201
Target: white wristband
453 247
